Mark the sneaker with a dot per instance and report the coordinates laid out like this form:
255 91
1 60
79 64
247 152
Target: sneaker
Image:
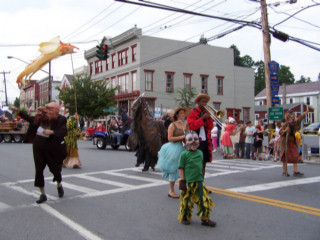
60 191
42 199
214 150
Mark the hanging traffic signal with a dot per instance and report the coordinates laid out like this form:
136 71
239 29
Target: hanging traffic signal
102 51
105 52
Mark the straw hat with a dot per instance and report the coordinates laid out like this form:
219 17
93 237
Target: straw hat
201 95
186 110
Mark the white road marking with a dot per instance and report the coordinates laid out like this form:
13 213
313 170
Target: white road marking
105 181
274 185
4 207
73 225
77 187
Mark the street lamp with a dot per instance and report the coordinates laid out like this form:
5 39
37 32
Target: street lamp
10 57
49 73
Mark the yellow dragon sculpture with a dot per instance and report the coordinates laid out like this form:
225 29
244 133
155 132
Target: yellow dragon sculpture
50 50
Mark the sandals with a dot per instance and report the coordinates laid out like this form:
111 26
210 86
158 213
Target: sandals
177 196
208 223
298 174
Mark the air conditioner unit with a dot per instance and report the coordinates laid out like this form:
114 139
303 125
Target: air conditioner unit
169 89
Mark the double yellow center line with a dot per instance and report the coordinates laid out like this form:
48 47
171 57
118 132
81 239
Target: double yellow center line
268 201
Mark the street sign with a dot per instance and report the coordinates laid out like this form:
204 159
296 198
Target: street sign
273 67
274 78
275 113
275 100
274 89
110 110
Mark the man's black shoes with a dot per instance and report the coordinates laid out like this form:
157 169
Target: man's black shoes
42 199
60 191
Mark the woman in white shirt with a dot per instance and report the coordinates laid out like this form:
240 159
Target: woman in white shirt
214 137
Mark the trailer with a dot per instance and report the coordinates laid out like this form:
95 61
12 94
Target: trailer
11 131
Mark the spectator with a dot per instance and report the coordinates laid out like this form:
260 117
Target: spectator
241 145
249 138
214 136
257 142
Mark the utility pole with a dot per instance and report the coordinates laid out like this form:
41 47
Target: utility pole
49 84
267 55
5 85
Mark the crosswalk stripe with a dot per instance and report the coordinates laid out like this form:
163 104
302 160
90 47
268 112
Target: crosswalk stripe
104 181
134 177
273 185
77 188
4 207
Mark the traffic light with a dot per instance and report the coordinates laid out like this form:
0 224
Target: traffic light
102 51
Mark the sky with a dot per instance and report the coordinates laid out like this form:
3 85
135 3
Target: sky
25 24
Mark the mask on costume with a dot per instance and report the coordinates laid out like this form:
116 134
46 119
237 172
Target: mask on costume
47 114
192 141
290 118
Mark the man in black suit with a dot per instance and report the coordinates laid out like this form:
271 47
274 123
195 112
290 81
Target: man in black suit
46 131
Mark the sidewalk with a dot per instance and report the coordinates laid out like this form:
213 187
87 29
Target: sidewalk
313 159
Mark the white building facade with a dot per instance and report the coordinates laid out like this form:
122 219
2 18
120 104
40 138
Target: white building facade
158 67
307 93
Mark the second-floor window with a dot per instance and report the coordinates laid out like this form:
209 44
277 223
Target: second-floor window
134 80
113 60
169 81
134 52
187 81
123 57
98 66
308 100
219 85
149 80
204 83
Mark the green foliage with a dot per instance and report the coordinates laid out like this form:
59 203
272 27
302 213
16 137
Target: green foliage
285 75
259 77
185 97
92 97
16 102
303 79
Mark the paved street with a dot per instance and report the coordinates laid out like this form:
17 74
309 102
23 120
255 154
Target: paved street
108 198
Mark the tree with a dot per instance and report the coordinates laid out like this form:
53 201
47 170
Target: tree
259 77
236 55
285 75
185 97
92 97
16 102
303 79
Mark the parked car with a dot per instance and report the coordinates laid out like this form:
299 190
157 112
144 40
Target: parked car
313 128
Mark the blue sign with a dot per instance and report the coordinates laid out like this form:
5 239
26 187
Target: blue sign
274 78
273 66
274 89
275 100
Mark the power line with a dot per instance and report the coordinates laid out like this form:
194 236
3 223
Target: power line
317 4
66 37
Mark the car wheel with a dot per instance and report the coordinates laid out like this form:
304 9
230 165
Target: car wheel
101 143
1 138
17 138
7 138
